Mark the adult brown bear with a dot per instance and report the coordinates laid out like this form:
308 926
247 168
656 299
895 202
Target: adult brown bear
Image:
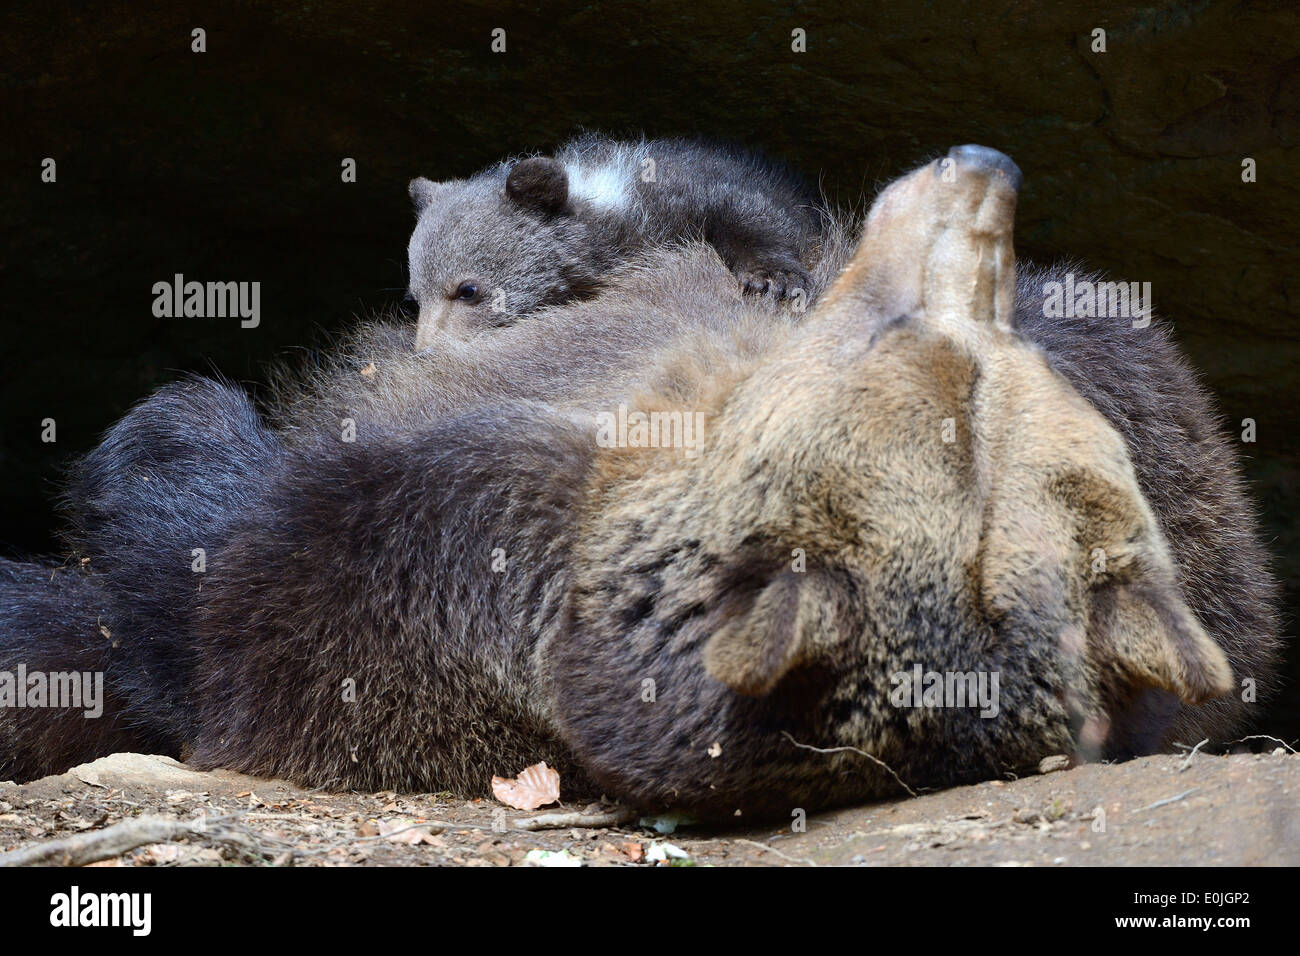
442 566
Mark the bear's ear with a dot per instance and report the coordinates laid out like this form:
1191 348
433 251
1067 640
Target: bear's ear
539 184
1142 633
765 635
1089 550
1143 653
422 191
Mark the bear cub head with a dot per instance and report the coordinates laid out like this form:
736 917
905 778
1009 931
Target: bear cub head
490 249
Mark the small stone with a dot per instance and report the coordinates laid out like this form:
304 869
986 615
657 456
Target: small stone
662 852
1053 763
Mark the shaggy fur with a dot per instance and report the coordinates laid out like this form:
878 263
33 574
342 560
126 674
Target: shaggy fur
920 472
57 619
167 480
544 230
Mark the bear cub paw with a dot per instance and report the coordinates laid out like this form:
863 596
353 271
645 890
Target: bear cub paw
779 281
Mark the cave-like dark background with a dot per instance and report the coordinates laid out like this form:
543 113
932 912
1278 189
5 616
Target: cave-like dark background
225 165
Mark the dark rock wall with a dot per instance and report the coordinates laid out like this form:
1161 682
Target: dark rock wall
225 166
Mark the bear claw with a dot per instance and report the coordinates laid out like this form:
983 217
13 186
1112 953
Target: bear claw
779 284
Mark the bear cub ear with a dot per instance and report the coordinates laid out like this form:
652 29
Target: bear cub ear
539 184
422 191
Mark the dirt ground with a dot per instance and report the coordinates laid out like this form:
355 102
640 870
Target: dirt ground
1242 809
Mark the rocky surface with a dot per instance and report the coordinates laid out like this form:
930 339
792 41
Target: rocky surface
1167 810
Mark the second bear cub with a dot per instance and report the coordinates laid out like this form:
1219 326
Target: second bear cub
521 235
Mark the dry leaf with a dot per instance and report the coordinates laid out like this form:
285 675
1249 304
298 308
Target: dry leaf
534 787
409 831
160 854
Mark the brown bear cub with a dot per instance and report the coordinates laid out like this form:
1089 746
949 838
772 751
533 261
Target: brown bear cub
442 567
520 235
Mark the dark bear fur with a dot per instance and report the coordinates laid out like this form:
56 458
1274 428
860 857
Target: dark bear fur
59 619
170 477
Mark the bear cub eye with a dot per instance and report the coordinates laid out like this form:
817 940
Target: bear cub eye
467 291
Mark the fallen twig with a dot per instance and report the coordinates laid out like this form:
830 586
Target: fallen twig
1242 740
1173 799
121 838
437 825
772 849
863 753
560 821
1188 762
